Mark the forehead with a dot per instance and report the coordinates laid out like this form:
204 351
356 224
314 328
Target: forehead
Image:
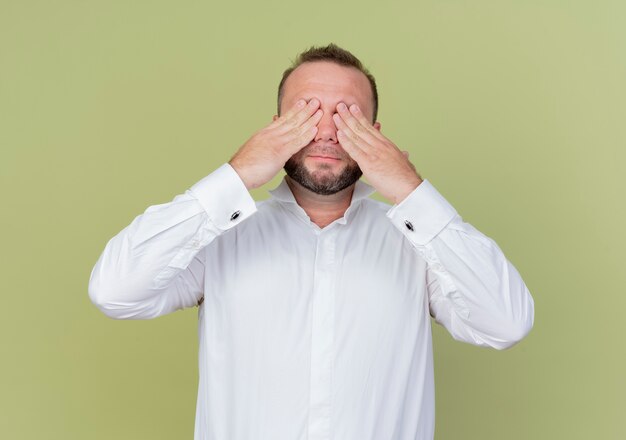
330 83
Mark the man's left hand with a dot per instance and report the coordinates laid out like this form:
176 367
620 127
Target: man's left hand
383 164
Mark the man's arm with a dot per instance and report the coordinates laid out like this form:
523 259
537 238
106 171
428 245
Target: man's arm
154 266
474 291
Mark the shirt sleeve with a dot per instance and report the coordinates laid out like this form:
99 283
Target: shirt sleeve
473 290
155 266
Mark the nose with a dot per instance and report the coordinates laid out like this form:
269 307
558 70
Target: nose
326 128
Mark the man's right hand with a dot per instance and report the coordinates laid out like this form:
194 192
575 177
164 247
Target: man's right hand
265 153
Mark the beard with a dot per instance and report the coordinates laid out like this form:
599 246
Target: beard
322 181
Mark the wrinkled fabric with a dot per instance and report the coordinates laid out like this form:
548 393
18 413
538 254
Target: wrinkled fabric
309 333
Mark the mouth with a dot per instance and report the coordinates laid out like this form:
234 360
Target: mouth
323 158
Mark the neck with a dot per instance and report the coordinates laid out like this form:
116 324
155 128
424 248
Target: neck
322 210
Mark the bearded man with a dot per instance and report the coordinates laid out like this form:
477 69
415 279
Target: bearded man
315 305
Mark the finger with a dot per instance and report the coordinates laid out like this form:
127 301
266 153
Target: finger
301 114
296 107
358 114
314 119
361 127
350 147
302 130
355 138
301 141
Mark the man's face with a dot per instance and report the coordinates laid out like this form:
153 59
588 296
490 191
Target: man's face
323 166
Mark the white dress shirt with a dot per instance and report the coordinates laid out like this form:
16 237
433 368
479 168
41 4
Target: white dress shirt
309 333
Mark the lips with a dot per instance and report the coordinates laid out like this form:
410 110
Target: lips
316 156
326 153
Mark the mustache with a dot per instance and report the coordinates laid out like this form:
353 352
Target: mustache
324 150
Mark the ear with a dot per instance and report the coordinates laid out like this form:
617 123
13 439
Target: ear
377 125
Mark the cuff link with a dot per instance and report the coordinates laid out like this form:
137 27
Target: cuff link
235 215
408 225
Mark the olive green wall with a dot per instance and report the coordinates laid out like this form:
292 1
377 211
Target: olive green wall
513 110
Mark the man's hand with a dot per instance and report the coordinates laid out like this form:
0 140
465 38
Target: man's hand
265 153
386 167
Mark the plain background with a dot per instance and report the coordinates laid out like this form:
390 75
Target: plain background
514 110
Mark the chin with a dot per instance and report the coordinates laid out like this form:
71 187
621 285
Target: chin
322 180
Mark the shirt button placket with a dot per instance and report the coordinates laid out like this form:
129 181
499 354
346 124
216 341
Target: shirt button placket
322 338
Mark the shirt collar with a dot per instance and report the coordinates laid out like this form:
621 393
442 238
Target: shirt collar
282 193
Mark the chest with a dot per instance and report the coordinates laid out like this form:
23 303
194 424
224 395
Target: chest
366 270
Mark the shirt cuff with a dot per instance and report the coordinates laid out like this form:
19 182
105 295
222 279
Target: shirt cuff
224 197
422 214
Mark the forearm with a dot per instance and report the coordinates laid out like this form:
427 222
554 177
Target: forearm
474 291
154 266
478 294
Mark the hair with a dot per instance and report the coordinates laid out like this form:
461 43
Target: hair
333 54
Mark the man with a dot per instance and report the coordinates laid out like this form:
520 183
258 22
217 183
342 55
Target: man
314 305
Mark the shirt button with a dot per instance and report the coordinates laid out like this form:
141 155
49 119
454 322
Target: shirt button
235 215
409 225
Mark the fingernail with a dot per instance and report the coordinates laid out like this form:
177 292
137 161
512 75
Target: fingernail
301 103
342 106
313 101
355 108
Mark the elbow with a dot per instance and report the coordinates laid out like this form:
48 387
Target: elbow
103 300
499 334
513 333
114 302
99 293
517 324
513 330
111 300
120 297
